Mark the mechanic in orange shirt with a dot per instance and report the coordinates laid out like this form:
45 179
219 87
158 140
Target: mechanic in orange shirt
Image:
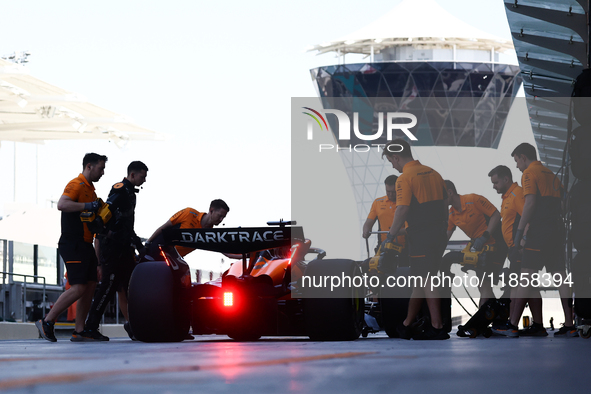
75 246
544 245
382 210
189 218
420 201
511 211
479 220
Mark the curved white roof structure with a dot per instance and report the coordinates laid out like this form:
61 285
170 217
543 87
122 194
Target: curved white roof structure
33 111
416 22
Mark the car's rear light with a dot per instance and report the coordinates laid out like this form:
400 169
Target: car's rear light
228 299
164 256
291 253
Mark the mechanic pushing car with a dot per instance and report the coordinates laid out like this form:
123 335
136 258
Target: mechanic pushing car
189 218
420 201
511 212
116 247
480 221
544 245
185 218
75 246
382 210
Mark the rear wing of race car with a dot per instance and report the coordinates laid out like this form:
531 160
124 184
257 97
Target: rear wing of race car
241 240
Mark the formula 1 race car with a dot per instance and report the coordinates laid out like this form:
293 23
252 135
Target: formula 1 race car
261 296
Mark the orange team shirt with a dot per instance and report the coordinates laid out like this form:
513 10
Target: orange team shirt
471 220
80 190
541 181
187 218
511 211
383 209
422 189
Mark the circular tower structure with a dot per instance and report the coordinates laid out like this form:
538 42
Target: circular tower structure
420 60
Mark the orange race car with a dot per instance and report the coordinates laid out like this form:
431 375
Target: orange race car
262 295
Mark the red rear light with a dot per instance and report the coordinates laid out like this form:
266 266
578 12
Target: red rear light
164 256
228 299
291 253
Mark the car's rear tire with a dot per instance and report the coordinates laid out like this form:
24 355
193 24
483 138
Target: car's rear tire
339 318
157 312
394 304
394 311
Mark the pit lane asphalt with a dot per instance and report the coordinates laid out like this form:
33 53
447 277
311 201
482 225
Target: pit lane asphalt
377 364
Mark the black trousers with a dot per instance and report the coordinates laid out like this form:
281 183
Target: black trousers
116 272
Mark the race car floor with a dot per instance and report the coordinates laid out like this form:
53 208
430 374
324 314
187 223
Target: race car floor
377 364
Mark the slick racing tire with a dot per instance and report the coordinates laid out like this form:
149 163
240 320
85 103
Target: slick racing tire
157 312
394 311
339 318
394 304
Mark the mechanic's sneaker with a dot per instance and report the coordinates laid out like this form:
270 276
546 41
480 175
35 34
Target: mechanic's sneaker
535 330
46 330
431 333
88 336
76 337
567 332
408 332
508 330
498 325
404 332
127 328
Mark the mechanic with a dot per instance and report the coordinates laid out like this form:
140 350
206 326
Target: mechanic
75 246
543 246
117 245
189 218
382 210
479 220
420 201
511 211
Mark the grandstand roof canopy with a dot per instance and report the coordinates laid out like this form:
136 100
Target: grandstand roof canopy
34 111
551 40
414 22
